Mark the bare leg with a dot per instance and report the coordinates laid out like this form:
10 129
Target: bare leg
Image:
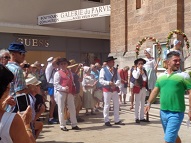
41 110
120 98
178 140
52 106
124 98
38 128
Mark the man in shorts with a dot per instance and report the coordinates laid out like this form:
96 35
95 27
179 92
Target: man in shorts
124 83
49 72
172 85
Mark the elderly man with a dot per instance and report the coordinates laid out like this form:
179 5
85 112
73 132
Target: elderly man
110 80
172 85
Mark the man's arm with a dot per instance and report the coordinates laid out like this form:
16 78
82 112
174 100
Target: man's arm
101 78
153 95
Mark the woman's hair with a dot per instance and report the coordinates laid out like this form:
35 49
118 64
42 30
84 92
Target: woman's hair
2 52
6 76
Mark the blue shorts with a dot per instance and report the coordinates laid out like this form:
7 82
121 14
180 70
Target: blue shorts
171 122
51 91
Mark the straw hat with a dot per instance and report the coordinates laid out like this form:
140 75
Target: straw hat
72 63
33 66
32 81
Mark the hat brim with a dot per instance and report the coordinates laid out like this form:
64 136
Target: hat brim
20 51
71 66
110 60
140 59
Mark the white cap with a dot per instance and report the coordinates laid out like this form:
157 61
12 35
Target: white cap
32 80
148 50
42 65
175 42
50 59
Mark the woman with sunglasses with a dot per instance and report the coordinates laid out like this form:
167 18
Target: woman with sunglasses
13 127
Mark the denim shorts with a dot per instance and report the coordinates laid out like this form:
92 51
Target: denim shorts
171 122
51 91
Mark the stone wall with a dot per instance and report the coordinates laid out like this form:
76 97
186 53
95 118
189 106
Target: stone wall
155 18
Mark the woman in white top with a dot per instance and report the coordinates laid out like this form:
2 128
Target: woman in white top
89 85
151 67
13 127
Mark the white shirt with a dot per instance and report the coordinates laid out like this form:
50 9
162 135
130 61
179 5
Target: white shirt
136 74
105 82
57 86
5 125
49 73
32 104
150 63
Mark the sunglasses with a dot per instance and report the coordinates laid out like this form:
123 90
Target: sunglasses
7 57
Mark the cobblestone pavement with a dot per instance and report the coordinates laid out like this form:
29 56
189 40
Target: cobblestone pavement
94 131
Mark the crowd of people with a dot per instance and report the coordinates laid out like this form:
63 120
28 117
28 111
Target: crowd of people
73 86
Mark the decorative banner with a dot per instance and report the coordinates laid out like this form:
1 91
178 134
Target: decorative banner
179 33
158 45
80 14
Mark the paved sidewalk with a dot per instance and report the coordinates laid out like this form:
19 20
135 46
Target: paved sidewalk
94 131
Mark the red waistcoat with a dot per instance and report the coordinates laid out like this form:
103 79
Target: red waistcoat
66 79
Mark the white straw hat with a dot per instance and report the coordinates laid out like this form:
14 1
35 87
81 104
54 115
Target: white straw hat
32 81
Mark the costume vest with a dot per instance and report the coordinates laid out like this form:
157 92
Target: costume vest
108 76
139 82
66 79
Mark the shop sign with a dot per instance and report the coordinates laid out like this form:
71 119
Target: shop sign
80 14
33 42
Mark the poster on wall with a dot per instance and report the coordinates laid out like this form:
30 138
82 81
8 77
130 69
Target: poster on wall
162 56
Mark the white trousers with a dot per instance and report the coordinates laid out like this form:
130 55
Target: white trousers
61 97
139 104
107 99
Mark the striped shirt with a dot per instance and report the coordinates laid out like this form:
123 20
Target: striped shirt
19 80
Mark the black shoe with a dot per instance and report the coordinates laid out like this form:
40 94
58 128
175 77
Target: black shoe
137 121
143 120
119 123
64 129
53 121
76 128
108 124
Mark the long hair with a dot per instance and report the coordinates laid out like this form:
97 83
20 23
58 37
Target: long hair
6 77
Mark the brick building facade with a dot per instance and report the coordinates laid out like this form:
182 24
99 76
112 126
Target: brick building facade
132 20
